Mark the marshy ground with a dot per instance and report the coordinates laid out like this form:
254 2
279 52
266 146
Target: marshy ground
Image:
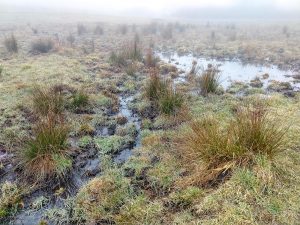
110 121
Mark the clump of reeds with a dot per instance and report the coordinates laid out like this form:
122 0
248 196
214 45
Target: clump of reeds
45 155
162 94
209 80
209 149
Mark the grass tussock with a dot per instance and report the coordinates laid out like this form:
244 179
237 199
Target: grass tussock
47 100
80 100
11 44
155 86
45 154
209 80
131 52
42 46
150 59
162 95
210 149
170 102
109 192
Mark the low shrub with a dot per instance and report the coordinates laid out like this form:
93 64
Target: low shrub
1 69
42 46
209 80
11 44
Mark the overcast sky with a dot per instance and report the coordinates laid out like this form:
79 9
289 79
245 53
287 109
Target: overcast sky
166 7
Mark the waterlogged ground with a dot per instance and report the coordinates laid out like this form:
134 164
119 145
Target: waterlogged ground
119 137
232 70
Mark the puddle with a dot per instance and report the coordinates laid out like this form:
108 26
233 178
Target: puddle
230 70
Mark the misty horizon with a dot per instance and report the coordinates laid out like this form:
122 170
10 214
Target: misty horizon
228 9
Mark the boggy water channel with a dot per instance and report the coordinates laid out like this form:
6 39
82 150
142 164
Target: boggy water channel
230 70
87 166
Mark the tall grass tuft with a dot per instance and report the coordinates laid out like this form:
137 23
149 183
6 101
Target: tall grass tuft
46 101
162 95
170 102
45 155
11 44
79 100
155 86
130 52
210 148
209 80
150 59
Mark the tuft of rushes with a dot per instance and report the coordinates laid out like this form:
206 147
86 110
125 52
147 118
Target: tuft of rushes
209 80
79 100
210 148
45 154
170 102
47 100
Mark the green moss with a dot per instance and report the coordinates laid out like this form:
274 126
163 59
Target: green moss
185 197
108 193
129 129
80 100
162 176
110 145
85 141
62 163
140 211
103 101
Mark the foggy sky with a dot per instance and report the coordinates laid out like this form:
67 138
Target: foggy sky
179 8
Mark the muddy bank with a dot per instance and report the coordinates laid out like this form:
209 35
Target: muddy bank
87 165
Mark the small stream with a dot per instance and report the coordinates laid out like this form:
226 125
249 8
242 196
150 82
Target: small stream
87 166
131 118
230 70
